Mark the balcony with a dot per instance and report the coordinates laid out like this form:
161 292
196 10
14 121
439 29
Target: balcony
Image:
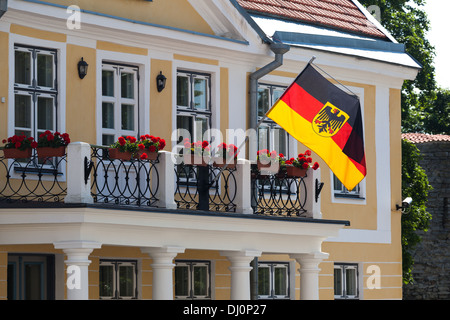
87 174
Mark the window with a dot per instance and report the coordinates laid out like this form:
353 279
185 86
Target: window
118 279
193 105
35 90
273 280
270 135
346 281
120 102
341 191
192 279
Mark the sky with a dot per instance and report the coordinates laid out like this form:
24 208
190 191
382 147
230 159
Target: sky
438 13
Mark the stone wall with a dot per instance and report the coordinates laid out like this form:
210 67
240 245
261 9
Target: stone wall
431 270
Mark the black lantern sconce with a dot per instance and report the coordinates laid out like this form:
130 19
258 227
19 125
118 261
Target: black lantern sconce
82 68
160 82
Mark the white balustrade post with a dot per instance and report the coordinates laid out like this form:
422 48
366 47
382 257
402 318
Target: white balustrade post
162 268
311 205
77 262
309 273
78 190
166 181
240 272
243 185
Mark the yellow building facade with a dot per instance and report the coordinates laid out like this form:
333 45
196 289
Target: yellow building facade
349 248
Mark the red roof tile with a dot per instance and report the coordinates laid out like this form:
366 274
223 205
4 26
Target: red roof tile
423 138
337 14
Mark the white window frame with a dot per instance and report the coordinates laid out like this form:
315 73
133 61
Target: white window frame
289 283
344 196
343 267
191 264
116 264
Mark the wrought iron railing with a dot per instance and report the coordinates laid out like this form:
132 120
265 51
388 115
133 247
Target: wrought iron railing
133 182
278 194
205 188
33 179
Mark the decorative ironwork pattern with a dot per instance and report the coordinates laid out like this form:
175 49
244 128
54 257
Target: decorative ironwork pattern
278 194
133 182
32 179
219 194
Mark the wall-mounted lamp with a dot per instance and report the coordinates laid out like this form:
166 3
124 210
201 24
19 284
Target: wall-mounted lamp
405 204
82 68
160 82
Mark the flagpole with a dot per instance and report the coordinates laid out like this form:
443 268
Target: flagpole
256 127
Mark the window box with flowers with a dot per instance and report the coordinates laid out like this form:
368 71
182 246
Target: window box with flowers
123 148
52 144
226 156
297 167
268 162
196 153
18 147
148 147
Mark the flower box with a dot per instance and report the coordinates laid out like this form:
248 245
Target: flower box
152 156
115 153
16 153
197 160
48 152
219 163
269 168
296 172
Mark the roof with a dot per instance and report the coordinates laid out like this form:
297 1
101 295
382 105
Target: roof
424 138
335 14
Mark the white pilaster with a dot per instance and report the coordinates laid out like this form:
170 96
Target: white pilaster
78 190
311 205
77 267
240 272
162 267
309 274
166 175
243 181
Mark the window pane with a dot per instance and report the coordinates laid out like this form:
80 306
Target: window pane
184 122
108 83
127 117
276 95
337 282
108 115
201 126
280 140
280 279
263 101
263 138
22 67
107 139
127 85
33 281
106 281
45 70
200 94
126 281
263 281
45 113
182 281
22 114
350 281
183 91
200 281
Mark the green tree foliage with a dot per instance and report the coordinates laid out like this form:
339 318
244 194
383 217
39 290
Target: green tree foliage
415 185
408 24
437 114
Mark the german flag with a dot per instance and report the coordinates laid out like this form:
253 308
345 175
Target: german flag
327 120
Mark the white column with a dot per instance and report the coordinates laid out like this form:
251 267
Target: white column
309 274
243 182
162 267
77 267
311 205
166 174
240 272
78 190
